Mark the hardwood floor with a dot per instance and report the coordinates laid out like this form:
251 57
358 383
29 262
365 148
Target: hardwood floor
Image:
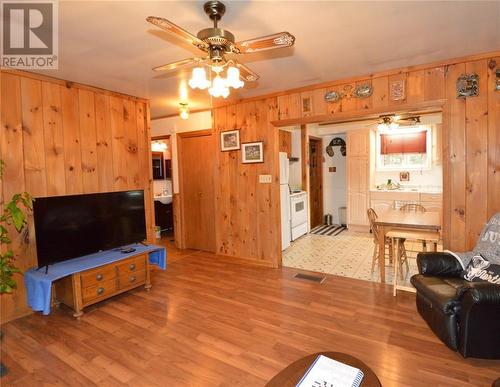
208 321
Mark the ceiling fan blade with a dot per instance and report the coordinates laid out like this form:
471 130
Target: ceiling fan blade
270 42
168 26
246 74
176 65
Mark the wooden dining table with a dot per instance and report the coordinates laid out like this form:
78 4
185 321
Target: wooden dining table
396 220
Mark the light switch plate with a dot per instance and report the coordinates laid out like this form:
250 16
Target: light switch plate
265 179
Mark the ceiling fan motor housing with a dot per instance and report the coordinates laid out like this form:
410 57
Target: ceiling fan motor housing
217 38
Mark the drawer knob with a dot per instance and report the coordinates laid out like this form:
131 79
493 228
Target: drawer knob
132 278
100 290
99 277
132 266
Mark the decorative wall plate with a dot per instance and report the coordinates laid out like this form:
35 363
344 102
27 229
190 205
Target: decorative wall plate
329 151
467 85
332 96
363 91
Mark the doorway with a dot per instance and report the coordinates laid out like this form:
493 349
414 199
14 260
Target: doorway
196 152
161 164
316 181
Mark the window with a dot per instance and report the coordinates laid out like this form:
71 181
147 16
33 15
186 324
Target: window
404 148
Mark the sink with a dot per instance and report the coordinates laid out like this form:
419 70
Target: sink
165 199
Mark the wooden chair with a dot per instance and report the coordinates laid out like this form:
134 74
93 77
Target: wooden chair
398 238
372 217
414 207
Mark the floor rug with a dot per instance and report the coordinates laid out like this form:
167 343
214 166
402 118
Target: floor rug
328 230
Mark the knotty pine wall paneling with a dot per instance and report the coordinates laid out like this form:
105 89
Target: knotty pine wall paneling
60 138
493 139
247 212
471 133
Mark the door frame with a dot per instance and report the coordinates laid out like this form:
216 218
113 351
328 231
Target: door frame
174 204
319 159
180 237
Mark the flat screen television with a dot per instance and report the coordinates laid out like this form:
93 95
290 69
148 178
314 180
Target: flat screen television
72 226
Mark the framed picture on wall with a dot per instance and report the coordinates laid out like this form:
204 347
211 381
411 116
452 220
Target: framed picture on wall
230 140
252 152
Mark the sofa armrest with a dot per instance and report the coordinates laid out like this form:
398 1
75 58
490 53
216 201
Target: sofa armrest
480 293
438 264
479 319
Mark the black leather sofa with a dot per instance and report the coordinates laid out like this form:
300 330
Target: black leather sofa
464 315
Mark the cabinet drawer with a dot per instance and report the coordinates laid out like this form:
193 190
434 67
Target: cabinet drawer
131 265
431 197
100 290
98 275
132 278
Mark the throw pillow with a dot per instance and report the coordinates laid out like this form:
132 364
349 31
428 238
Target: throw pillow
480 269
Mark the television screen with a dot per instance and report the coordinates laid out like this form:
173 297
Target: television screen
71 226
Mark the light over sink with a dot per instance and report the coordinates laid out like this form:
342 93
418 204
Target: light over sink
165 199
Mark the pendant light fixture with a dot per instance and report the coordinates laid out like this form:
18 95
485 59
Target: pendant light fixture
219 86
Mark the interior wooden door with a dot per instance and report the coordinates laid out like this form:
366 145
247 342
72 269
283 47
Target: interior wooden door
196 155
316 181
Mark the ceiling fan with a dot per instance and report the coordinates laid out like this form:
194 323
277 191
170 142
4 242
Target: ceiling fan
216 43
392 121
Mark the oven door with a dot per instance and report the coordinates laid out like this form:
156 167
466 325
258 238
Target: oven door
298 209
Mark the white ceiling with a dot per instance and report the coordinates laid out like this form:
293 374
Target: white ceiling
110 45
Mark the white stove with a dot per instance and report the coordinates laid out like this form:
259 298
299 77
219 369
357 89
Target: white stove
298 214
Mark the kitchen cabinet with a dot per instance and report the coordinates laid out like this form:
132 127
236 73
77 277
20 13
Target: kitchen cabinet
357 182
358 179
289 106
358 143
164 215
357 191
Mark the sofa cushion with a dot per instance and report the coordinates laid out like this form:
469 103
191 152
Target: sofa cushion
443 292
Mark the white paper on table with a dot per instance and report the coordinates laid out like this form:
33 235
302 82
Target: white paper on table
326 372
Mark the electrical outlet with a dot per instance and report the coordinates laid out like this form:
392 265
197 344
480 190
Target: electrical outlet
265 179
332 169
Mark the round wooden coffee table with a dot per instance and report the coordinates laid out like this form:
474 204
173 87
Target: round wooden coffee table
291 375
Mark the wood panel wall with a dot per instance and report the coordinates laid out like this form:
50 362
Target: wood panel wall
60 138
285 141
247 212
470 131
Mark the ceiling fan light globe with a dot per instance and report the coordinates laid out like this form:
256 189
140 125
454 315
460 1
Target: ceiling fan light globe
237 84
199 79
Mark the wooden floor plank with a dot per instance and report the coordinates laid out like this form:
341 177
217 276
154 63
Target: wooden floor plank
211 322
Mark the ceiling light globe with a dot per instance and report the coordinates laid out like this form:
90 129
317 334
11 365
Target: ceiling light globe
184 114
233 78
199 79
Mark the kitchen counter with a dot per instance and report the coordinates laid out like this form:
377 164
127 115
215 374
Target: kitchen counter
431 190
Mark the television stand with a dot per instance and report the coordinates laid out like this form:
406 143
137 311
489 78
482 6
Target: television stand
88 287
